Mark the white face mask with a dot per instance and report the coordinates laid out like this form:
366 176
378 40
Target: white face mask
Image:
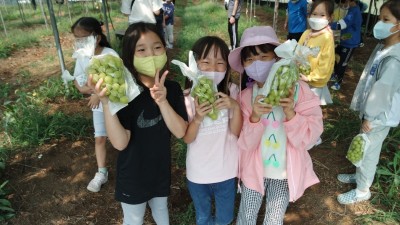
382 30
216 77
318 23
85 46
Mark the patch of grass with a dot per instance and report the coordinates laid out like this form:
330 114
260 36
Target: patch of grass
185 217
54 87
27 122
179 152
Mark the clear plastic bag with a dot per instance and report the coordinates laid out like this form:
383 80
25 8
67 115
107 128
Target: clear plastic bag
301 58
202 87
283 75
120 84
356 152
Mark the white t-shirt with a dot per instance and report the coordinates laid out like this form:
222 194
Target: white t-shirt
213 156
82 62
141 11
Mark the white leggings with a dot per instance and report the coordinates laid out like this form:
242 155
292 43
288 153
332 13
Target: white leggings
133 214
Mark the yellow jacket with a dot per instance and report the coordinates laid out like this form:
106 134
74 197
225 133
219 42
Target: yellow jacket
322 65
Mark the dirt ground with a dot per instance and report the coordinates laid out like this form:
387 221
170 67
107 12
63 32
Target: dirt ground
48 184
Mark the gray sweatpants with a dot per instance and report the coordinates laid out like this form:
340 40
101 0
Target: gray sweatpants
276 198
133 214
366 172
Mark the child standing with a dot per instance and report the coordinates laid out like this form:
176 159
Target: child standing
377 98
212 156
296 18
89 41
169 9
281 170
350 38
142 130
320 37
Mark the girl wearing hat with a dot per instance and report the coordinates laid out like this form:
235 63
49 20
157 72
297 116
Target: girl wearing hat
272 144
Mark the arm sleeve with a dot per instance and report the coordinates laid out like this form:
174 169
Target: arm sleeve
304 129
126 6
251 133
79 72
380 98
326 58
157 4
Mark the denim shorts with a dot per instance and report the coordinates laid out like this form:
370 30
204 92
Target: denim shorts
99 124
223 193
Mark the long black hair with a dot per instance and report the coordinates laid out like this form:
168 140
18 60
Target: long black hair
202 48
131 37
92 25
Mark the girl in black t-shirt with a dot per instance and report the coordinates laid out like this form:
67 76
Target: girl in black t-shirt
142 130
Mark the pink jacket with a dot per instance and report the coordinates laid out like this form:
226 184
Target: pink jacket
302 131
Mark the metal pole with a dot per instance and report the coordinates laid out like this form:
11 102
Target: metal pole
368 17
4 25
104 9
43 14
56 38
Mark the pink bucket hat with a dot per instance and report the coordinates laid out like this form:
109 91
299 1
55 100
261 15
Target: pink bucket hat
252 36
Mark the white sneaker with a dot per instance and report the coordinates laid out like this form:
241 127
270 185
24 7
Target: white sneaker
353 196
98 180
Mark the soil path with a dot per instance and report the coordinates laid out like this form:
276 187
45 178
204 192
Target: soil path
48 184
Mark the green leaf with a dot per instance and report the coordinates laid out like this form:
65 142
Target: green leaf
5 202
5 208
384 172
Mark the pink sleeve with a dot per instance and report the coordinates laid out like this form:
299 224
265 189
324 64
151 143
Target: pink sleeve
304 129
251 133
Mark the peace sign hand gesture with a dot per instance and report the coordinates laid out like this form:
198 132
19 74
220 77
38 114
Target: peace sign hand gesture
159 92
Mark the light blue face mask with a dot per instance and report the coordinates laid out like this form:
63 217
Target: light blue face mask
382 30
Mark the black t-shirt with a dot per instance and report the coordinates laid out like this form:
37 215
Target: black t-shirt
144 167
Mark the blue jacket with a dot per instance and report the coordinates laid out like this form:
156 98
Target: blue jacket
350 26
297 16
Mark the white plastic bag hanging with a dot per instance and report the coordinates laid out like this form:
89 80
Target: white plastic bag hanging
121 87
301 57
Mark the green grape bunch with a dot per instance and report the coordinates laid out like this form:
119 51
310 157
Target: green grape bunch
284 79
111 69
205 93
305 69
355 152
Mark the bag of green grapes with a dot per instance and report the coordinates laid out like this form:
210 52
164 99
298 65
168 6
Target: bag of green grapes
282 76
203 87
302 53
358 146
121 86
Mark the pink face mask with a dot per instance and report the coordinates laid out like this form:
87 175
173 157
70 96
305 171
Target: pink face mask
259 70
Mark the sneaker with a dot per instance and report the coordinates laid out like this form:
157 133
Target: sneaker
352 197
347 178
335 86
333 78
98 180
